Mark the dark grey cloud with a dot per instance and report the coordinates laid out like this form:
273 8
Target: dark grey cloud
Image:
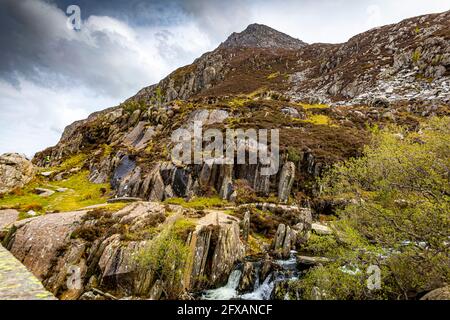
106 54
133 12
51 75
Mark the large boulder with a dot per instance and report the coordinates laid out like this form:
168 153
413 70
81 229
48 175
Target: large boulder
15 171
215 248
17 283
7 217
38 242
438 294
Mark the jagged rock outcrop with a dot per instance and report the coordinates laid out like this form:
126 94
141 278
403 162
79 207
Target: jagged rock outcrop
284 241
261 36
92 249
248 277
15 171
286 180
403 61
288 237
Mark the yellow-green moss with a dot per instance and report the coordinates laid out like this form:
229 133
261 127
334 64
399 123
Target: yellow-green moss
273 75
307 106
319 119
416 56
238 102
81 193
107 150
71 162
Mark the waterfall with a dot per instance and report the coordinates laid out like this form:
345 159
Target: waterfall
227 292
261 291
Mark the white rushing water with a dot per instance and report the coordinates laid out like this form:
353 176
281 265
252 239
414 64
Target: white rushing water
261 291
227 292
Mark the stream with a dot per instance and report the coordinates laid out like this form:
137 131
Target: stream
262 290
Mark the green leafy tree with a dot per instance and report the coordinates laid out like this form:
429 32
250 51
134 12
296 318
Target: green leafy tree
397 217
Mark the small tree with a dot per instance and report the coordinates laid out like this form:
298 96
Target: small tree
166 257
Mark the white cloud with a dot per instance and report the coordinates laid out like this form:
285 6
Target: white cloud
34 117
66 74
335 21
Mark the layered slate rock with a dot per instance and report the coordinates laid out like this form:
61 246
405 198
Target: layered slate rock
216 248
36 242
286 180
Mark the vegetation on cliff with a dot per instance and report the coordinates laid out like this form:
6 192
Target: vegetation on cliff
398 220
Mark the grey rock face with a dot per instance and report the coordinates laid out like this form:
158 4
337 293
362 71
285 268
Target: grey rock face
139 136
291 112
404 64
246 225
15 171
286 180
216 238
126 165
53 246
248 277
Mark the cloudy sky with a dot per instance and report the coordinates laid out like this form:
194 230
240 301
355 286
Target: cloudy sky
51 75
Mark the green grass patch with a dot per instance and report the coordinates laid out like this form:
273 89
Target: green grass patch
81 193
71 162
167 256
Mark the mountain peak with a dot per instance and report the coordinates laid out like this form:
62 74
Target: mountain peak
261 36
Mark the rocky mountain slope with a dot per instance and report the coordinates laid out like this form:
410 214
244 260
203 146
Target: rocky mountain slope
320 96
323 99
